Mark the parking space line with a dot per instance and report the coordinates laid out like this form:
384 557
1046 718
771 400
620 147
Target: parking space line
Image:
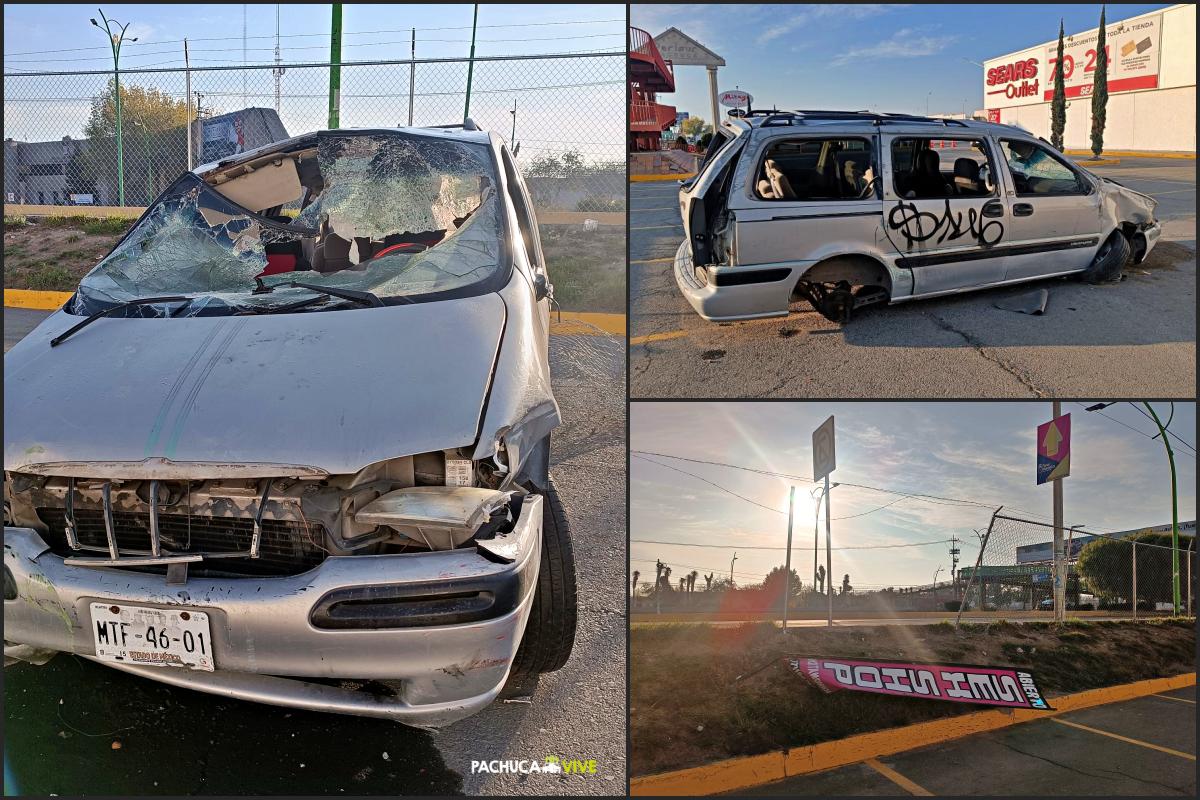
896 778
1138 742
667 260
656 227
663 208
1176 699
656 337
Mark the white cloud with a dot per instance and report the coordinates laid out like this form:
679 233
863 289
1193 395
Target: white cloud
904 43
827 15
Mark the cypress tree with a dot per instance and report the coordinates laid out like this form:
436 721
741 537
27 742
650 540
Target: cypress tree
1099 91
1058 106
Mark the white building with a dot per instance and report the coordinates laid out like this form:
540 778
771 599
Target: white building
1151 84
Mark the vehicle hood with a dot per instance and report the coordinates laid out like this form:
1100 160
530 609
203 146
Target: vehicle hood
329 391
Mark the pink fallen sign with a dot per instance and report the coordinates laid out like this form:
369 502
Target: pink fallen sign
992 686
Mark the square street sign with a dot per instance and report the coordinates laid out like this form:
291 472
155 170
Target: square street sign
824 461
1054 449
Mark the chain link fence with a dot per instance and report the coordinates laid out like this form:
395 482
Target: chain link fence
565 112
1128 575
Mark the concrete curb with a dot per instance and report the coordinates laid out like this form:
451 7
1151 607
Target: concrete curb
1133 154
579 323
743 773
680 176
1099 162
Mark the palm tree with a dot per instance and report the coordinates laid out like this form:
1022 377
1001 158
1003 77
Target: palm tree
634 583
691 580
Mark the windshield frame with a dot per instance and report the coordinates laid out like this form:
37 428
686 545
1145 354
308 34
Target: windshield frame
81 304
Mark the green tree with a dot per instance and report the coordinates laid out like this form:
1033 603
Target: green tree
695 126
1100 91
154 130
772 586
1107 566
1058 106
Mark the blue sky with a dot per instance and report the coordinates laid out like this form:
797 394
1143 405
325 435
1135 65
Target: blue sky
977 451
855 56
54 37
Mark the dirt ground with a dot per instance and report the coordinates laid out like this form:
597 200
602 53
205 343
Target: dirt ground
587 268
686 708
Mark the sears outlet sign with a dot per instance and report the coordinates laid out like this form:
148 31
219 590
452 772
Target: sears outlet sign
1133 49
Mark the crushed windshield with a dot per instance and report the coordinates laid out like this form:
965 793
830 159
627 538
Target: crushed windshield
397 215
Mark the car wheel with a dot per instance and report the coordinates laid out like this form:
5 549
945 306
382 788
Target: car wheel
550 631
1109 263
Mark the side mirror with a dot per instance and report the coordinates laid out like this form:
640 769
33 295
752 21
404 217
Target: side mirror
542 288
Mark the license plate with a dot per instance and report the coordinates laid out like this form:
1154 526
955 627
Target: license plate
156 637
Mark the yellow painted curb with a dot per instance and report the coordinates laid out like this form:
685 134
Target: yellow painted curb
743 773
656 337
39 301
1099 162
587 323
1133 154
679 176
33 210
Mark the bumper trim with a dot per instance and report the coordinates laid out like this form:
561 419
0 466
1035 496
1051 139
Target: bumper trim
304 695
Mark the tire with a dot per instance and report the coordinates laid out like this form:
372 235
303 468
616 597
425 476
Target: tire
1109 264
550 631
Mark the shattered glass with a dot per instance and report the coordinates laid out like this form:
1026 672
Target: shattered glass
376 190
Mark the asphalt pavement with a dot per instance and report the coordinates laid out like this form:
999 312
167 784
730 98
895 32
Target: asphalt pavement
1132 339
75 727
1145 746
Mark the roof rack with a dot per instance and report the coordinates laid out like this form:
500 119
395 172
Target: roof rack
467 125
800 116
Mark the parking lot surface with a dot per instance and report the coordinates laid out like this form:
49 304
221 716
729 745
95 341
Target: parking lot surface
75 727
1135 338
1145 746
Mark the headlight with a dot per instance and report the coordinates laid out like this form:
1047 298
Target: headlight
443 517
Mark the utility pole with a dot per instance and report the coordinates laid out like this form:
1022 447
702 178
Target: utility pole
816 535
335 68
828 554
412 77
115 41
1060 584
471 64
787 561
731 567
278 71
187 70
954 553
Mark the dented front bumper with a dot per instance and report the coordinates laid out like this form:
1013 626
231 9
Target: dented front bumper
353 618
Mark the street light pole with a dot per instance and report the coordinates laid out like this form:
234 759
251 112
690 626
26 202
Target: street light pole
115 40
1162 431
731 567
471 64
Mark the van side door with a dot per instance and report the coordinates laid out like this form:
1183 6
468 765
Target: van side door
1055 225
943 210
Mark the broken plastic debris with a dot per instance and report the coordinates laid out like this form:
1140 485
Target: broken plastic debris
1029 303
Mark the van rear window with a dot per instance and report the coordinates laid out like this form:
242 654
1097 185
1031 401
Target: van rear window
817 169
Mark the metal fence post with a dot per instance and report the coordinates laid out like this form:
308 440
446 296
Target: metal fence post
974 572
1135 592
412 77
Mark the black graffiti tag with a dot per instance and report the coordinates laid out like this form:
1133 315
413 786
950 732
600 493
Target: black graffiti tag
912 222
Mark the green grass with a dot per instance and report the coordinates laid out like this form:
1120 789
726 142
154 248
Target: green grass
15 221
45 276
73 238
106 225
579 286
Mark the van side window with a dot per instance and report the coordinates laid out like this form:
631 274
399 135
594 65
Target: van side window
1035 170
925 168
817 169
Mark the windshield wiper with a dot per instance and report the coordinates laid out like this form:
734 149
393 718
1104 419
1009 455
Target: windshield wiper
367 298
141 301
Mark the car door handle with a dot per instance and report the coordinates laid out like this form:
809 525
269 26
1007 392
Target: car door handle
993 209
1022 210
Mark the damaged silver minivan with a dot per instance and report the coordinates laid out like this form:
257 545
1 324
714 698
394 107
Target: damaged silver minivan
849 209
289 441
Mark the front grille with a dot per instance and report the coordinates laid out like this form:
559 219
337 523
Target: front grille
285 547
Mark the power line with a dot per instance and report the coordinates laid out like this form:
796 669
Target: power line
796 547
1136 430
139 45
710 483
